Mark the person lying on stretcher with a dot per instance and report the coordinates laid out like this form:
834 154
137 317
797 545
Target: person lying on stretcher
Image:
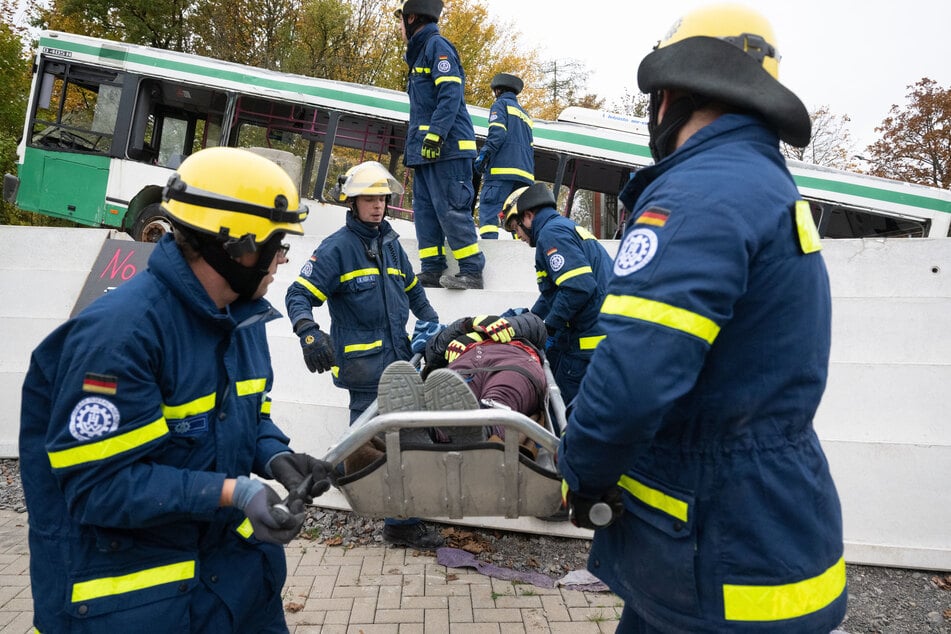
484 361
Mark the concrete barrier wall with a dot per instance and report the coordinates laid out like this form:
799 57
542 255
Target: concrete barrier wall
882 421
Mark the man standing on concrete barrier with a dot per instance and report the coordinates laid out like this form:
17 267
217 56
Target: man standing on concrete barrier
440 147
693 426
507 160
144 415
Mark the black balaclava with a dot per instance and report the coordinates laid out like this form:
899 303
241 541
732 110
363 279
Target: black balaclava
243 280
664 134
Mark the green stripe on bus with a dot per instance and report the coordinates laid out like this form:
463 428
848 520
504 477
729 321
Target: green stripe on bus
874 193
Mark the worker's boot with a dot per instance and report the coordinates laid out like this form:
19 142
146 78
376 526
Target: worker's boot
416 535
430 279
362 457
461 281
446 390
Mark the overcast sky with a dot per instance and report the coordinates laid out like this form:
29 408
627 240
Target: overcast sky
857 58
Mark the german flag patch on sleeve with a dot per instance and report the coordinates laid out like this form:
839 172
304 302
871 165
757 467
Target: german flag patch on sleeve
99 383
655 216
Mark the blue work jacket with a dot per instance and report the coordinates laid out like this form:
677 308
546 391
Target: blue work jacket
134 413
699 403
436 101
572 270
368 283
508 150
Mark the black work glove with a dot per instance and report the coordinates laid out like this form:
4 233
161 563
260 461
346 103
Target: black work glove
432 147
304 477
272 521
592 513
316 345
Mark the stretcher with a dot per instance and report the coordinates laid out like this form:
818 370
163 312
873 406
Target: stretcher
483 479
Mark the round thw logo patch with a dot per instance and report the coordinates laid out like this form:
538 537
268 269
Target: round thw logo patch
636 251
443 66
556 262
93 417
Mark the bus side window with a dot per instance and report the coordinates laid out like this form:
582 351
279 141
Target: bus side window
143 122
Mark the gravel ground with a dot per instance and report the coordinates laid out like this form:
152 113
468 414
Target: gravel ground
881 600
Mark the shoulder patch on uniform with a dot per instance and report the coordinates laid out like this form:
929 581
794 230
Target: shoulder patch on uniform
653 216
551 251
93 417
100 383
636 252
556 262
443 65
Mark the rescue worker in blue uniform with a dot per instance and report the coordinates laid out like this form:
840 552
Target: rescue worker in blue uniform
145 414
365 277
440 147
572 269
694 422
507 159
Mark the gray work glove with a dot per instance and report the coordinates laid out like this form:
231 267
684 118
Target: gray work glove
272 521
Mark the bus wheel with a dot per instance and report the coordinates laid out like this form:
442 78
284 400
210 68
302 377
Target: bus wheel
151 224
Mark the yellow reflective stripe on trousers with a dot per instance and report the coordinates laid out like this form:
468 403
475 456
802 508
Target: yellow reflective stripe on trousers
346 277
359 347
467 145
590 343
487 229
148 578
250 386
567 275
430 252
316 292
466 252
200 405
662 314
654 498
787 601
109 447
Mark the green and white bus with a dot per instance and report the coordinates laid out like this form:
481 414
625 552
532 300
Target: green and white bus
108 122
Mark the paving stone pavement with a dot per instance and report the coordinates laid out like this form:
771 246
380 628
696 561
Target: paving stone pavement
368 590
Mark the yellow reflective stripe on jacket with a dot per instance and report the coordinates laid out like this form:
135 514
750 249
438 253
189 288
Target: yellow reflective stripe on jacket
430 252
346 277
245 529
200 405
250 386
422 70
496 124
465 252
584 233
511 171
266 406
787 601
809 240
590 343
316 292
467 145
148 578
108 447
359 347
662 314
512 110
392 271
452 79
654 498
540 274
567 275
411 284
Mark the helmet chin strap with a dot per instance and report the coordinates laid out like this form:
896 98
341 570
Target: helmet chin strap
663 135
243 280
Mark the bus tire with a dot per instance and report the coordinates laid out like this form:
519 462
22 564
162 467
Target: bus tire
151 224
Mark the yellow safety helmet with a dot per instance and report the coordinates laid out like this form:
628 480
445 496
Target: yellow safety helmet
510 208
235 195
369 179
727 52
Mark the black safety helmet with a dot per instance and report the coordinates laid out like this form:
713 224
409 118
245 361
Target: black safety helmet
537 195
507 82
429 8
727 53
